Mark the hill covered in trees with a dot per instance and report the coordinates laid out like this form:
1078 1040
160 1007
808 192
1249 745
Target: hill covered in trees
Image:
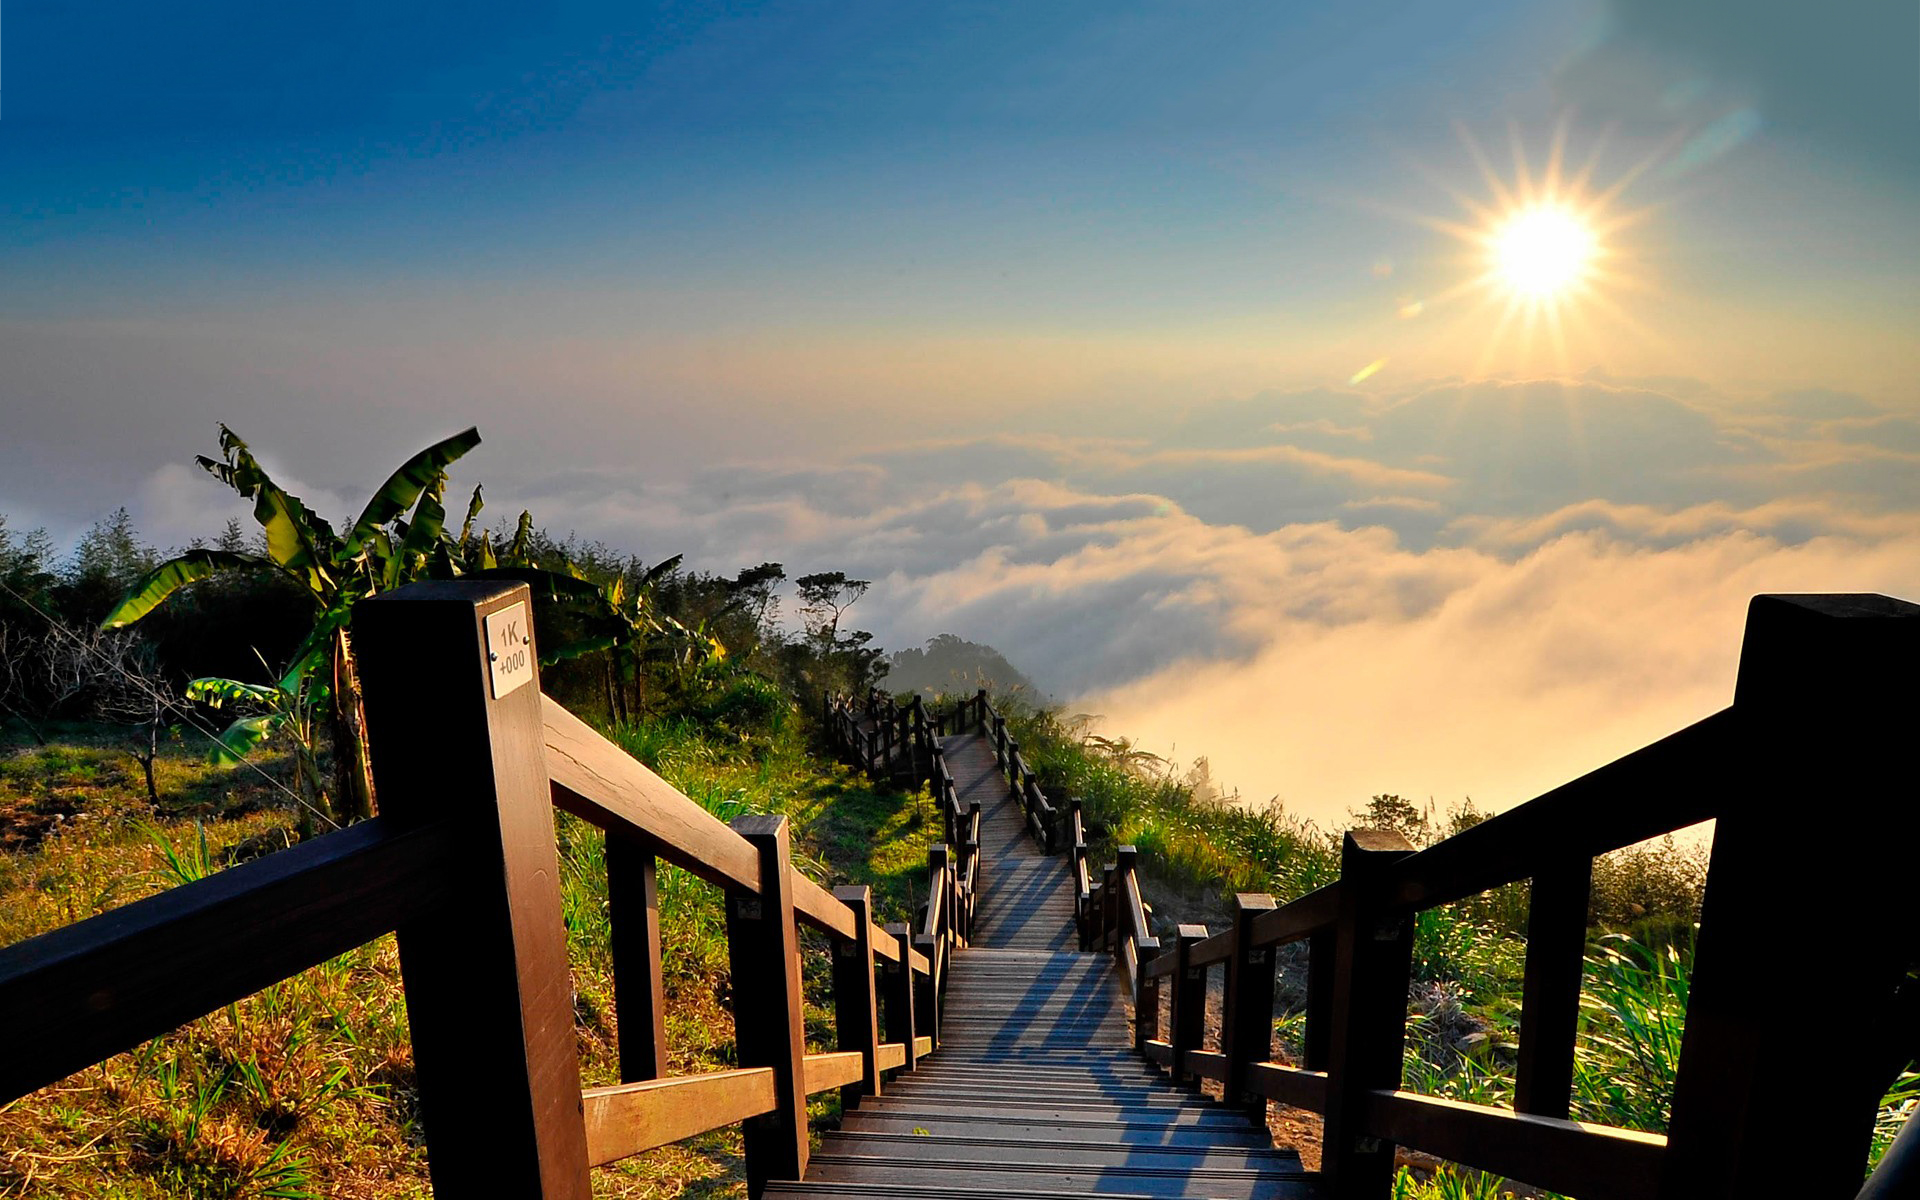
952 665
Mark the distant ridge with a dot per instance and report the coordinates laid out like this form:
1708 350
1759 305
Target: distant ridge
950 663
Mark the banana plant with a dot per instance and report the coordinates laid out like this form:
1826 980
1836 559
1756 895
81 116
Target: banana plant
397 539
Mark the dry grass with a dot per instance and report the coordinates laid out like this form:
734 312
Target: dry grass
306 1088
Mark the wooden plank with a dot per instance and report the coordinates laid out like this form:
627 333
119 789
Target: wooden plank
602 784
1207 1064
816 906
639 988
1594 1162
1216 949
922 1046
1289 1085
1158 1051
1246 1026
856 998
834 1069
95 988
631 1117
892 1055
884 946
1677 781
489 968
1373 956
1159 968
764 950
1550 993
1312 913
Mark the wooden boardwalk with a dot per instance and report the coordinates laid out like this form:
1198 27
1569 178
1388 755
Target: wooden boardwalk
1035 1089
1025 901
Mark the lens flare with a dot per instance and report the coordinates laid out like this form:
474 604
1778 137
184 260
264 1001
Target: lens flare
1544 259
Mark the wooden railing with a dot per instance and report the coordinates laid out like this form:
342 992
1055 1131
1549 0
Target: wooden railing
893 731
1815 745
469 761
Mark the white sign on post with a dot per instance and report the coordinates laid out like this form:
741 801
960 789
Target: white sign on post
509 649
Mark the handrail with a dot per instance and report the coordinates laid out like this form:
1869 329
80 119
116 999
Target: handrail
1805 719
462 863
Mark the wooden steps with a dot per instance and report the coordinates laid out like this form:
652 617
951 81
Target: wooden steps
1036 1092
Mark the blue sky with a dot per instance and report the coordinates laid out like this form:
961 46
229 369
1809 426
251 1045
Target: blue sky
1069 285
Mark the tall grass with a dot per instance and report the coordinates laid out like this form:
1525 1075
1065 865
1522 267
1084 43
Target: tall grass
306 1088
1199 846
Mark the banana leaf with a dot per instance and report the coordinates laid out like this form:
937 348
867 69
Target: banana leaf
473 510
298 540
169 577
315 647
429 523
521 547
217 692
659 570
240 738
404 486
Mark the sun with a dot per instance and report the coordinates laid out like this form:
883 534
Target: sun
1543 261
1542 252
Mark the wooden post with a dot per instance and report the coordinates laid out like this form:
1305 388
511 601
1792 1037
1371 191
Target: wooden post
856 1001
1187 1024
1373 953
1108 907
1124 859
974 830
457 738
1146 1004
1550 996
764 952
897 991
980 708
1319 1034
926 990
639 992
1246 1027
1825 703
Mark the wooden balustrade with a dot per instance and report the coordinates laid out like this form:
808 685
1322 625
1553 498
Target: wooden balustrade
1807 721
462 863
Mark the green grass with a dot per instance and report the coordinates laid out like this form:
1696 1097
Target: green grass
306 1088
1198 847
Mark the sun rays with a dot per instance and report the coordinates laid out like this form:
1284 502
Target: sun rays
1546 255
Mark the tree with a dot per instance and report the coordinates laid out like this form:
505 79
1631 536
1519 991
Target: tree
397 539
843 660
824 599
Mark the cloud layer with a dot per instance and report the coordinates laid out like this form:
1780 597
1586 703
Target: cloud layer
1461 589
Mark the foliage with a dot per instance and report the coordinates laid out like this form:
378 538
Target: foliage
951 664
1633 1011
307 1087
393 542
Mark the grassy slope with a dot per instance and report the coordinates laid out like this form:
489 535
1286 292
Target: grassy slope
306 1088
1469 958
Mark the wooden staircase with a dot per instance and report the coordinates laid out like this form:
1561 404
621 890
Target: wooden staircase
1007 1067
1036 1089
1036 1092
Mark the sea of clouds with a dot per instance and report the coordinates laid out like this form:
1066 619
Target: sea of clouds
1458 589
